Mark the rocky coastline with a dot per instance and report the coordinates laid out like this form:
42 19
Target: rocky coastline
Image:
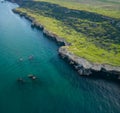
82 66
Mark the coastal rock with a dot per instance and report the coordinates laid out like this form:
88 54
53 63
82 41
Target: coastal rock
37 25
85 67
53 36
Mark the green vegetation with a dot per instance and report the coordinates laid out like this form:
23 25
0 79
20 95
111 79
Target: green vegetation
109 8
92 36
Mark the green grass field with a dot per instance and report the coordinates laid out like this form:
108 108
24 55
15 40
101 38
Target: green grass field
92 28
105 7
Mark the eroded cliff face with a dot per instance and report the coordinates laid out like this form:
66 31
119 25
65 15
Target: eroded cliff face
85 67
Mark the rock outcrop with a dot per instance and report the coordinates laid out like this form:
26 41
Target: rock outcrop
84 67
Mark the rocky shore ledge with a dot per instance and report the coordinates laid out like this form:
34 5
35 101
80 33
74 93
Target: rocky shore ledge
85 67
82 66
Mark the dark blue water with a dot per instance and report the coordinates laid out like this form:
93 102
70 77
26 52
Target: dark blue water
59 89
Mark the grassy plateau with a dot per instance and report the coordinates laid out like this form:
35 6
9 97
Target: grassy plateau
91 26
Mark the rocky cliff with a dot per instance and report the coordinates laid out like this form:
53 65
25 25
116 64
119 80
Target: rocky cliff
83 66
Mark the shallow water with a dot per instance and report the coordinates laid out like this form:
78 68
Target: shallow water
58 89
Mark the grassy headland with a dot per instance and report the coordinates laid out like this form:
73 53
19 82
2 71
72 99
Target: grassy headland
94 32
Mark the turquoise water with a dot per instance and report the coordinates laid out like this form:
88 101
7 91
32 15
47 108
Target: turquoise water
58 89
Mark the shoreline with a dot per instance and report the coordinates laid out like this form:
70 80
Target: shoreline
83 66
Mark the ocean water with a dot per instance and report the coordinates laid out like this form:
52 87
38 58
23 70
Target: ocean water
58 89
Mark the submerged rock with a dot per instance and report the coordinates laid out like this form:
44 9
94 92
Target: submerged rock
21 59
21 80
30 57
33 77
